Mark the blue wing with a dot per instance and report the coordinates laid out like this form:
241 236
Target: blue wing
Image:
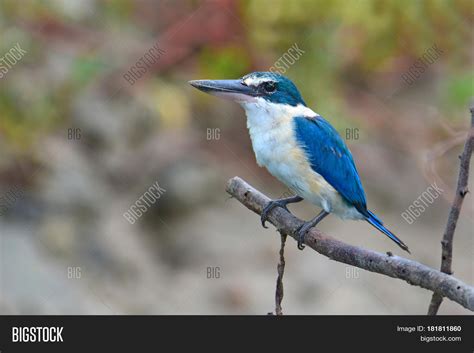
330 157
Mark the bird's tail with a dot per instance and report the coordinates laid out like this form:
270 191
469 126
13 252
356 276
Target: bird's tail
377 223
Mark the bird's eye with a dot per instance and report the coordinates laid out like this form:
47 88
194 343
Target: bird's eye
269 87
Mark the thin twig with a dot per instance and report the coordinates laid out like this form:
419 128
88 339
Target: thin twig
281 272
448 236
393 266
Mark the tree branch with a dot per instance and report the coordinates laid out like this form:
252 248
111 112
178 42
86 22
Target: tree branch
461 191
393 266
281 272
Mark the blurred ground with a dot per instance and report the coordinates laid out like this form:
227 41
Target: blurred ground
66 218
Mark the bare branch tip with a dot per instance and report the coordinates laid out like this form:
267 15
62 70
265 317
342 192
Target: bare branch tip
447 240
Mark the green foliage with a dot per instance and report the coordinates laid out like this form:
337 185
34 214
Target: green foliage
347 45
460 90
85 68
230 62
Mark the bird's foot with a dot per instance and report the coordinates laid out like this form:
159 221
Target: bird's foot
306 226
268 207
277 203
301 232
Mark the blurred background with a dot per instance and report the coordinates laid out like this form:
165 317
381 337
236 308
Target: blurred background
89 122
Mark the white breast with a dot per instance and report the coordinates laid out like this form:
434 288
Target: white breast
273 141
270 127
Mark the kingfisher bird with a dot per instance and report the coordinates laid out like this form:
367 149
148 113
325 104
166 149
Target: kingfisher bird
298 147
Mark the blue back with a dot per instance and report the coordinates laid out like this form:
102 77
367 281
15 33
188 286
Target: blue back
330 157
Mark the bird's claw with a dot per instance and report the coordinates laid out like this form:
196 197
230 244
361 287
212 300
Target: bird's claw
266 210
306 226
301 232
300 244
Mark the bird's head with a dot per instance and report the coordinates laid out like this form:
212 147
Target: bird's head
252 88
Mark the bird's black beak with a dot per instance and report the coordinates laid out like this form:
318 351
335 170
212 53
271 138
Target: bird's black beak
230 89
